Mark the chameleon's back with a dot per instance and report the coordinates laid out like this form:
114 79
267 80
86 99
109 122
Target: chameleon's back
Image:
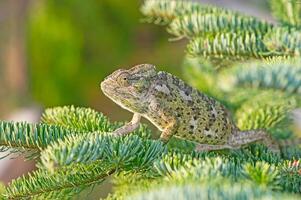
201 118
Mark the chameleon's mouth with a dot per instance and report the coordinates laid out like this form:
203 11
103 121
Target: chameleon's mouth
107 87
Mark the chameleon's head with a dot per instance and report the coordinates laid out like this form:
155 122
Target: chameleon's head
128 88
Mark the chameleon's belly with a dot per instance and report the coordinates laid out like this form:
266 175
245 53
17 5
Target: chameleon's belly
203 135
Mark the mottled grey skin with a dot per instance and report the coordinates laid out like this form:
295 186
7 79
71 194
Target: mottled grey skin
176 109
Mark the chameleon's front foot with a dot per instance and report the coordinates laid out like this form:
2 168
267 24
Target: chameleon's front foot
129 127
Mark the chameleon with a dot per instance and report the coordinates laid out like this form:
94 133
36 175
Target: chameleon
177 109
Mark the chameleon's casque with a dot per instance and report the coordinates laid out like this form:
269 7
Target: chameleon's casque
175 108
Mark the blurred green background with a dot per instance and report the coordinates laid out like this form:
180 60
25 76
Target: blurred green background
69 46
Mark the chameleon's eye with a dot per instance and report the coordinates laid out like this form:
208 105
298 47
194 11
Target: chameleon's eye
123 79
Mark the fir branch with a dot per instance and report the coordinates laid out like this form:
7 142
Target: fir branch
61 184
130 152
78 119
287 11
22 136
264 111
164 11
230 45
262 174
283 75
290 175
283 41
200 24
86 120
209 190
172 162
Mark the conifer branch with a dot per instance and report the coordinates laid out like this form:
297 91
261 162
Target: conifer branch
229 46
164 11
209 190
290 175
63 183
284 75
284 41
206 25
78 119
122 152
264 111
22 136
287 11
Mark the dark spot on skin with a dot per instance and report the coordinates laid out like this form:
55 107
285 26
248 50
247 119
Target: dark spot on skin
209 136
191 126
178 115
184 129
195 117
198 101
190 103
175 81
190 132
206 129
188 113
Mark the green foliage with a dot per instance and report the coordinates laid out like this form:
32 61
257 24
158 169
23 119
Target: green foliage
164 11
228 45
287 11
77 149
121 152
137 163
207 175
30 138
2 189
279 74
77 119
199 24
224 34
61 184
262 174
284 41
264 111
290 175
207 190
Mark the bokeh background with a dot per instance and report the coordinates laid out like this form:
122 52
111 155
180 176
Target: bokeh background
56 52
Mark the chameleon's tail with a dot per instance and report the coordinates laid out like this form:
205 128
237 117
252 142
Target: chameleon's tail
289 142
250 136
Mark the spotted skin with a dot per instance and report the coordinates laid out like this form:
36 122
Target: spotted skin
176 109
